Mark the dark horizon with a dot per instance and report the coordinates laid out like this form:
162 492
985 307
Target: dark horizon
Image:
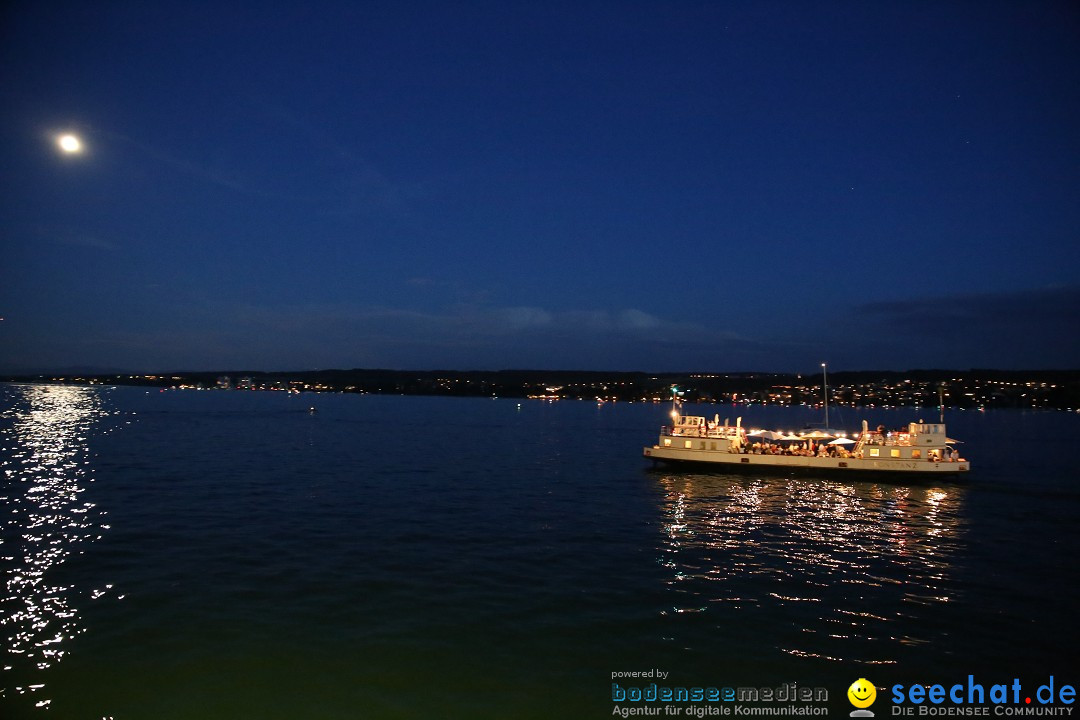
99 371
923 388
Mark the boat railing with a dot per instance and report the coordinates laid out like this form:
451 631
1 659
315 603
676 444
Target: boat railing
888 440
722 431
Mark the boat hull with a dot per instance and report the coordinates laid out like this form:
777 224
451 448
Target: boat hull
798 463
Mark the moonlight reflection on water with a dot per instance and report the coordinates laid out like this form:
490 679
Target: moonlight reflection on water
46 521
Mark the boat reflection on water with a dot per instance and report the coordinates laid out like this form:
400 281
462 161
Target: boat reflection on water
46 521
805 567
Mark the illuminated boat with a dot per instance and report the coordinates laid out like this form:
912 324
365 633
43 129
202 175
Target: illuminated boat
919 449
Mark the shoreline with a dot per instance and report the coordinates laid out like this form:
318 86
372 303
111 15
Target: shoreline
972 389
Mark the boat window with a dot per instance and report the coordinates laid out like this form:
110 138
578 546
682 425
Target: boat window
688 444
667 442
895 452
874 452
916 454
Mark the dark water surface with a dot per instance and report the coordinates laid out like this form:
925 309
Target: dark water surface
229 555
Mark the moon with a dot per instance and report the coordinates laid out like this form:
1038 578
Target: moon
69 143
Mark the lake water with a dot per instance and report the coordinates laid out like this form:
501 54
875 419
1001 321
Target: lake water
187 554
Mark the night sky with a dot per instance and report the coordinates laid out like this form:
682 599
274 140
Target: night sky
713 186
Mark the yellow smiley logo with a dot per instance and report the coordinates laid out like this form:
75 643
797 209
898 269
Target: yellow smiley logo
862 693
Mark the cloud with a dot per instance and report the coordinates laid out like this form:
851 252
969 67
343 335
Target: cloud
1013 330
215 175
348 183
524 318
358 186
1038 328
88 241
468 336
459 322
1055 305
73 238
637 320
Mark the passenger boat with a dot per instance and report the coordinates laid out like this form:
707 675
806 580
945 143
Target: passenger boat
919 449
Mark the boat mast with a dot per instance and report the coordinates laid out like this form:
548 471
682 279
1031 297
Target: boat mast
825 387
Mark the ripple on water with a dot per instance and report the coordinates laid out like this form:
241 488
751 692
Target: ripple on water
825 569
47 521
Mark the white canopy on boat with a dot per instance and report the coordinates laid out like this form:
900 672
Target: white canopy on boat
819 434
